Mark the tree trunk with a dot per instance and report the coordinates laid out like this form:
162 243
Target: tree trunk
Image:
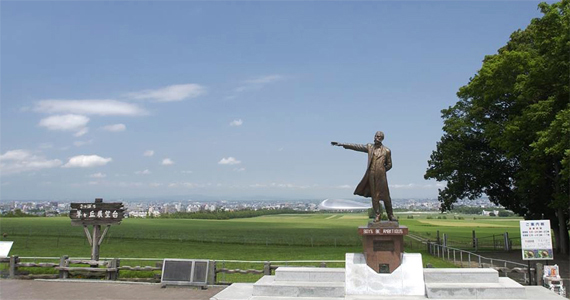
562 236
562 232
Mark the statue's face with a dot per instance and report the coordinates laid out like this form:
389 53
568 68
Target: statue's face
378 137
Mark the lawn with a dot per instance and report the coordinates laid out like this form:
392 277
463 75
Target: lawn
267 238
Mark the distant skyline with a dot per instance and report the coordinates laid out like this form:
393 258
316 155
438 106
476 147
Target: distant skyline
231 99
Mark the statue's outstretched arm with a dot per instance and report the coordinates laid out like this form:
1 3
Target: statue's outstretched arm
355 147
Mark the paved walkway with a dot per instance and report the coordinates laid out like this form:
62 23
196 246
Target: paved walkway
48 290
562 261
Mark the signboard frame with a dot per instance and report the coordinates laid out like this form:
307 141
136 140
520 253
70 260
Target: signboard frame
192 272
536 240
96 214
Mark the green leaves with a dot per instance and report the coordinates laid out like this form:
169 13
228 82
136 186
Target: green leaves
508 136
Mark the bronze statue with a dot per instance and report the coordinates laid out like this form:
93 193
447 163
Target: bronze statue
374 183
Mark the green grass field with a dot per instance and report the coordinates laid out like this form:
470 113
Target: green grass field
267 238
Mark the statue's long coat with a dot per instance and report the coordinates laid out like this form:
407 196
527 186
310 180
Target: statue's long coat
363 188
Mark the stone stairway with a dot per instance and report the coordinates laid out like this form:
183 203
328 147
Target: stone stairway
470 283
322 283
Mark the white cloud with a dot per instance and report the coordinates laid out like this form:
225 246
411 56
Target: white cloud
177 92
344 186
82 143
17 154
115 127
17 161
239 169
257 185
411 186
229 161
155 184
81 132
46 146
258 83
148 153
265 79
87 161
167 162
98 175
89 107
69 122
145 172
237 122
289 186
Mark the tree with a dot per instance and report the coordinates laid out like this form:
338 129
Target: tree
508 136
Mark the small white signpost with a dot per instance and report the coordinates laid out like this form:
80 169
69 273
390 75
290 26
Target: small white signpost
536 241
5 248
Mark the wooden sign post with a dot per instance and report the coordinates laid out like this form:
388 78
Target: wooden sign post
96 214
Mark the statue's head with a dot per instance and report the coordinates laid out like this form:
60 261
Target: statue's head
378 137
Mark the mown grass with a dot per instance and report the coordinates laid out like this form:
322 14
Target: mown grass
267 238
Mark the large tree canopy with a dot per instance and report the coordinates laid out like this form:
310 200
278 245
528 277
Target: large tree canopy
508 136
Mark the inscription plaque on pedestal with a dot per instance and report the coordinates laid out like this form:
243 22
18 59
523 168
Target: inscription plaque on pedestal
383 245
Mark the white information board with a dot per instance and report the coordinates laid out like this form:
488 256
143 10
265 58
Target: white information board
536 241
5 249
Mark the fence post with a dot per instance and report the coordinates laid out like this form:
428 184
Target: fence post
454 256
118 264
267 268
437 240
445 239
212 273
529 273
474 239
13 261
109 275
63 263
461 257
469 259
323 264
539 274
480 266
506 238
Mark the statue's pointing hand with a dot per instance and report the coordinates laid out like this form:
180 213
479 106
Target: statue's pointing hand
334 143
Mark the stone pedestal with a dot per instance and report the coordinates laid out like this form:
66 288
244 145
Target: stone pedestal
383 245
406 280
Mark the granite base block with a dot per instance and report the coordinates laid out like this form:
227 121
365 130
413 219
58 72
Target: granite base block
407 279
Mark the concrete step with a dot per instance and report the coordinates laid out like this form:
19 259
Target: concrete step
309 274
293 298
268 286
236 291
505 288
459 275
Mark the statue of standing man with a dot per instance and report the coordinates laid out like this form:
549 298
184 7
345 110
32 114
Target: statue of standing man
374 183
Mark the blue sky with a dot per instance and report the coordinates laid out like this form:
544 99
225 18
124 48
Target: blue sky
231 99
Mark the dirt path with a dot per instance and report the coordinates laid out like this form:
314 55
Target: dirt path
47 290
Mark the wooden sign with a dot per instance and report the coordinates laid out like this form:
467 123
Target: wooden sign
97 213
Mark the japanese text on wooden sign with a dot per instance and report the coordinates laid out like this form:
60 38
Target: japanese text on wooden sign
96 213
